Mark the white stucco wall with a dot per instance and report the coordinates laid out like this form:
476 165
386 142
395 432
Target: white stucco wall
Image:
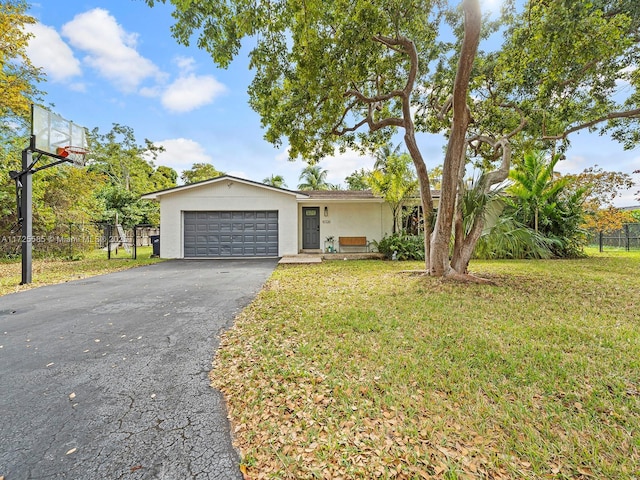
347 219
225 195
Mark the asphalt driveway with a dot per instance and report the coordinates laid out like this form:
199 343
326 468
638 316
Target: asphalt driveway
107 377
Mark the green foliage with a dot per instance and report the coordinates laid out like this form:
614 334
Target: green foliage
544 203
128 171
18 77
306 55
396 182
568 59
509 239
200 172
69 201
163 178
405 247
275 181
358 180
126 207
123 162
313 177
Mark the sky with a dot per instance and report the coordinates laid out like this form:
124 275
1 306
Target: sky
115 62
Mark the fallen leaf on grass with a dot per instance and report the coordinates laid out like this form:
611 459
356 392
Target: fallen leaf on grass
585 471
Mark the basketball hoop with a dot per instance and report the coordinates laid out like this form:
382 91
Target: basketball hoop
77 155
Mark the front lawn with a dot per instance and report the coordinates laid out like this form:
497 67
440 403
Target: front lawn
358 370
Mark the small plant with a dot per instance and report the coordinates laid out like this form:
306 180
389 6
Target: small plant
405 246
329 240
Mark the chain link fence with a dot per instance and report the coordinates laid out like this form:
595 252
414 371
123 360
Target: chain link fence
627 238
64 240
73 240
119 242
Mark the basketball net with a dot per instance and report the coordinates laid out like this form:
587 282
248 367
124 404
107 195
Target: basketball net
77 155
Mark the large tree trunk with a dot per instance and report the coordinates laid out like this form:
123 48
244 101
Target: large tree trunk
454 157
416 155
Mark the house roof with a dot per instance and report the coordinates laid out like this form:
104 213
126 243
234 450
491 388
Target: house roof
338 194
156 195
304 195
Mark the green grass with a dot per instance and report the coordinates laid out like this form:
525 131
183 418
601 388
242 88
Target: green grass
358 370
51 271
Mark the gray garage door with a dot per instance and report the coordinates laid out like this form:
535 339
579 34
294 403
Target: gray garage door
231 234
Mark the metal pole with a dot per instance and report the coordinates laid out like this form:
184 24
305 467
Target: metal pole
27 217
626 233
600 241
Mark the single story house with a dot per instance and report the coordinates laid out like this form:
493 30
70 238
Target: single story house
233 217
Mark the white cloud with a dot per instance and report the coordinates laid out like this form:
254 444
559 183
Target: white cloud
186 64
48 51
78 87
341 165
151 92
572 164
190 92
110 49
181 153
338 166
240 174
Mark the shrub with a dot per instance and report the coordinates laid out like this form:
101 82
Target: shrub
406 247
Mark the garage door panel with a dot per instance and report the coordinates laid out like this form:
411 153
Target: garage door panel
231 234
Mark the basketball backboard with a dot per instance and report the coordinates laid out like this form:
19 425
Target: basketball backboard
54 134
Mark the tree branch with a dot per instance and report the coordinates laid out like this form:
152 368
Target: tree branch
610 116
378 98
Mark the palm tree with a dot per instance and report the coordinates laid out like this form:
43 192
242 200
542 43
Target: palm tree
314 178
535 186
542 201
275 181
383 154
396 183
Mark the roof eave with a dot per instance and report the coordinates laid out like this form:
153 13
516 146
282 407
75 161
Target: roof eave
181 188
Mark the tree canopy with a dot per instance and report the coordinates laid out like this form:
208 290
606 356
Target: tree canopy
358 180
18 76
200 172
395 183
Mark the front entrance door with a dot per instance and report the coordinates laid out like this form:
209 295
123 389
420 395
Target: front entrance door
310 228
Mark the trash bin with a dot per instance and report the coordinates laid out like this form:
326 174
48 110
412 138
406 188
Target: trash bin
155 244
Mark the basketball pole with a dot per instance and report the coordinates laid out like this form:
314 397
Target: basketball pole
27 217
24 182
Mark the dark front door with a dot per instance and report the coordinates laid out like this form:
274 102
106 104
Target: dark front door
310 228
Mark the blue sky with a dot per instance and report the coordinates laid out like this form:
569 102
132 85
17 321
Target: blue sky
115 61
